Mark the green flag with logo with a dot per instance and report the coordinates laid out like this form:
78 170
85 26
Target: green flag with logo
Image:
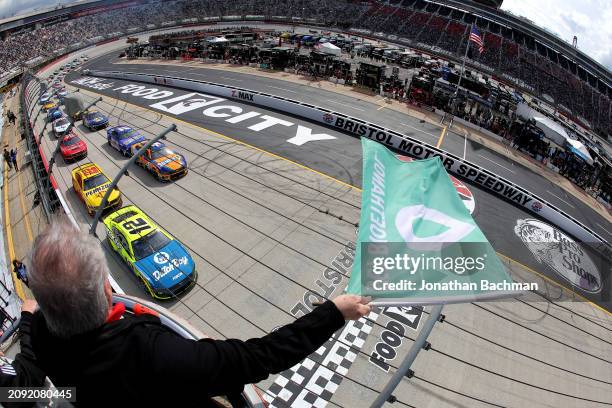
418 243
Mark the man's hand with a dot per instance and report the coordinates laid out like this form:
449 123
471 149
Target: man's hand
352 307
29 305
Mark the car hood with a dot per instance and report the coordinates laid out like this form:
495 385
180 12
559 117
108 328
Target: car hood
168 266
61 128
97 119
74 148
170 163
131 140
94 196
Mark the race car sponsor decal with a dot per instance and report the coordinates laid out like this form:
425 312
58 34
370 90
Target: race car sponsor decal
169 265
90 170
242 95
560 253
313 381
161 257
97 190
464 192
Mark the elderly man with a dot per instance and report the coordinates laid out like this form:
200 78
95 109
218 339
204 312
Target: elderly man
80 339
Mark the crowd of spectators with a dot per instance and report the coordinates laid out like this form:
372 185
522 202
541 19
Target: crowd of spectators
419 22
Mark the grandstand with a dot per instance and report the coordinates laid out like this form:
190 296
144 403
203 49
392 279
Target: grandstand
516 51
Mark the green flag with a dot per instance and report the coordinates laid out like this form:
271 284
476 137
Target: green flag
418 243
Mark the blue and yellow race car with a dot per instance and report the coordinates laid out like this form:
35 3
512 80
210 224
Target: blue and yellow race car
94 120
159 260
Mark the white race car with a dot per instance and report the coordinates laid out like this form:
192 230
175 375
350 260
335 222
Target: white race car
61 126
44 98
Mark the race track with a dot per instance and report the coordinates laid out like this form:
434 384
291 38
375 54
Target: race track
267 237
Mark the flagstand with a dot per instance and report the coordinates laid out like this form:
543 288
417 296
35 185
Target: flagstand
401 371
467 48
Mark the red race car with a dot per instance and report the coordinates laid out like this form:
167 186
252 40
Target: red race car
73 148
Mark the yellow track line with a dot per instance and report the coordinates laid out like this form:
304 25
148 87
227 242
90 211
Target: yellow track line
341 182
554 283
441 137
9 236
26 216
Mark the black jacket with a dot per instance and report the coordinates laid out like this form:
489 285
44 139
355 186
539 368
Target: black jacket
22 371
138 359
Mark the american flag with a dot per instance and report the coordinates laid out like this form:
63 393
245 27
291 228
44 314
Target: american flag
476 38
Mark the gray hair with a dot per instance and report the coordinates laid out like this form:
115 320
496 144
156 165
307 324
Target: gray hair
67 274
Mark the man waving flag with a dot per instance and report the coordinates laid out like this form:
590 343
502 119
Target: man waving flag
476 38
418 243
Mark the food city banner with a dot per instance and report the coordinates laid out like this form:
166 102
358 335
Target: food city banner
417 243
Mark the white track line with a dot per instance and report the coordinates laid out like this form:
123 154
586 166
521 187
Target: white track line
281 89
497 164
344 104
231 79
464 144
559 198
600 226
420 130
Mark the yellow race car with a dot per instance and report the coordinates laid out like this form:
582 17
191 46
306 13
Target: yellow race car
49 105
90 184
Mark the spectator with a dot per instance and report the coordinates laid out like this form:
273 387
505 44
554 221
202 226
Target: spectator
81 340
14 158
7 158
20 271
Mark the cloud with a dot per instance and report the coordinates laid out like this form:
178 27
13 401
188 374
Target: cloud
12 7
589 20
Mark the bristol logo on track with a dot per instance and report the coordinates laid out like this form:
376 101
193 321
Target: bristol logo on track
328 118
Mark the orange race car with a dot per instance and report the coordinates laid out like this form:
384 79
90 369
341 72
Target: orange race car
163 163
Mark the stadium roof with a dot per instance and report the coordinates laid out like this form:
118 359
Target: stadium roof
538 33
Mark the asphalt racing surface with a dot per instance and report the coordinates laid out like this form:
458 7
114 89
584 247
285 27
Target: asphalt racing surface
339 157
267 238
453 142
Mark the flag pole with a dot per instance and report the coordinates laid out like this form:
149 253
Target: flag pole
401 371
467 48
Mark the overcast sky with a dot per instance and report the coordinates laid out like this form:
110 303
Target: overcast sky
589 20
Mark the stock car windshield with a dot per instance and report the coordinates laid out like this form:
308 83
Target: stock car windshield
149 244
61 122
95 181
126 135
71 141
161 153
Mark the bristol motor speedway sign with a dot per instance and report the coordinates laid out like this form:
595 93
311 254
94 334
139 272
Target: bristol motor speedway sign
353 126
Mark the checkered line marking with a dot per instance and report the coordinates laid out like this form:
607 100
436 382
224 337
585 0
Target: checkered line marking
313 382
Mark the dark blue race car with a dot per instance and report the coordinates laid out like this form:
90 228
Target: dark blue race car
94 120
123 138
54 113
